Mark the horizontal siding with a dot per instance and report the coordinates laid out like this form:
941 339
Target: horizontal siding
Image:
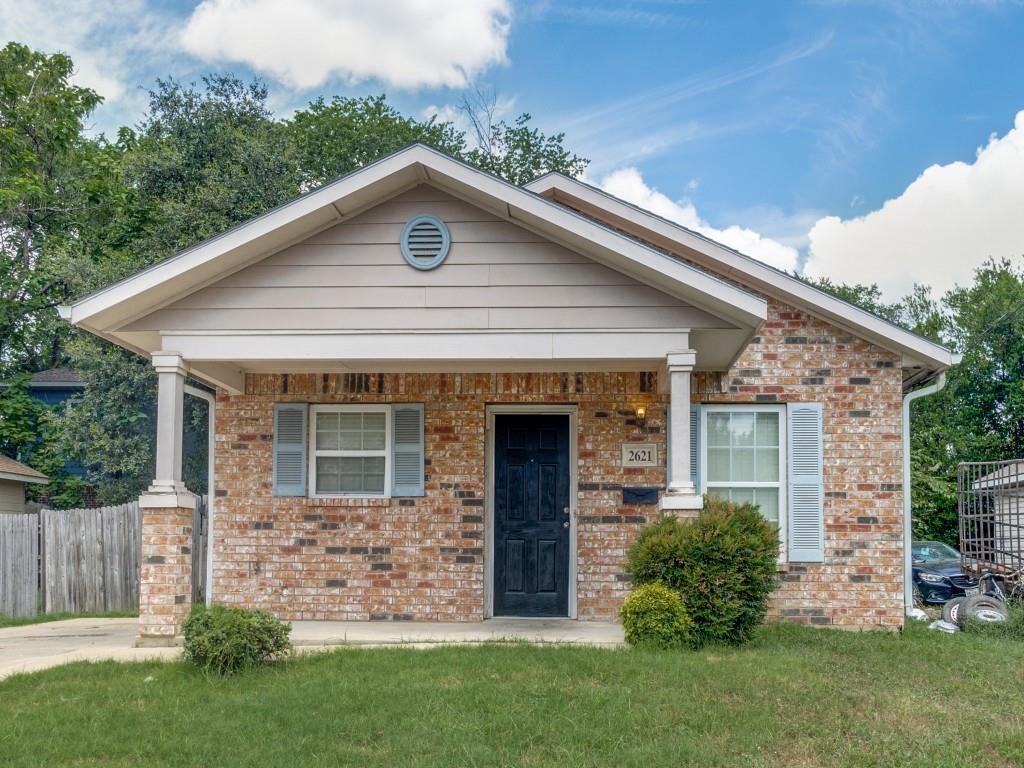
461 318
429 296
385 254
498 275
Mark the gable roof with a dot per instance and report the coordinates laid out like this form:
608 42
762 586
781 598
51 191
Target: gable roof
922 358
107 310
15 470
66 378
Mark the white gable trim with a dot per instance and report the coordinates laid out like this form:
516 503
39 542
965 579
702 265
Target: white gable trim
917 351
104 311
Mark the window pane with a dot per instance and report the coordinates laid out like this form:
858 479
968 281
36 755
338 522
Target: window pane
327 431
767 465
768 429
362 474
742 495
374 430
742 465
718 464
768 500
351 421
741 428
328 478
718 429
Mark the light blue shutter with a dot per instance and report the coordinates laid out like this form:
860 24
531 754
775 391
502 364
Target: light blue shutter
695 446
806 529
407 449
694 443
290 449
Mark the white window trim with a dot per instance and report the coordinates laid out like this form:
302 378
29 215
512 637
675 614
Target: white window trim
313 452
783 484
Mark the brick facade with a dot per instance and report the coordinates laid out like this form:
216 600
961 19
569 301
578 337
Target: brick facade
165 584
423 558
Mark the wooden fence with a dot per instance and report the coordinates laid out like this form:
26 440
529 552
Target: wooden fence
81 560
19 564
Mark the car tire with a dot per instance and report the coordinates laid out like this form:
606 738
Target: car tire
919 600
951 610
983 609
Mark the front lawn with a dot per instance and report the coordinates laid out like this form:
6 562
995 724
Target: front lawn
794 697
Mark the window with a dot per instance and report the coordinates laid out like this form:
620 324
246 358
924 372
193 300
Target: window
745 456
349 446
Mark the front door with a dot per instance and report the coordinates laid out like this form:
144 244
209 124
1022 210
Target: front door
531 514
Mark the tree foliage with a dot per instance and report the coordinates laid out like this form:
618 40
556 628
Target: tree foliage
979 416
79 212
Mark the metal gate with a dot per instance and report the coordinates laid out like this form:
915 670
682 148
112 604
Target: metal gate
991 511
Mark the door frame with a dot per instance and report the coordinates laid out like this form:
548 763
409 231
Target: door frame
491 411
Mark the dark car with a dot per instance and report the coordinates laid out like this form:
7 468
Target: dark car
938 576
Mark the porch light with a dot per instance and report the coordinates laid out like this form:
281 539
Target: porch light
641 415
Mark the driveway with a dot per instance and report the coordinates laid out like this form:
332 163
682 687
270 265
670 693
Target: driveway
38 646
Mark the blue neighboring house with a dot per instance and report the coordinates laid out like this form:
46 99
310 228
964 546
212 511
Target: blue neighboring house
54 387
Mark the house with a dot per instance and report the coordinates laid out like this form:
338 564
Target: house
441 396
13 477
56 386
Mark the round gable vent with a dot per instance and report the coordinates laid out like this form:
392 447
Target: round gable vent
425 242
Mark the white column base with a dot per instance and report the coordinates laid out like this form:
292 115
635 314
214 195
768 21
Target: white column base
161 497
690 504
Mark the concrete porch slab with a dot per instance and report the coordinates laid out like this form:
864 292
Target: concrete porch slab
325 633
40 646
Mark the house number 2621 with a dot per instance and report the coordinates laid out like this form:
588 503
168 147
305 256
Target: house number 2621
639 454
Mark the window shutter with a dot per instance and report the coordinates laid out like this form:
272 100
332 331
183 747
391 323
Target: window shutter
806 530
290 449
407 449
695 446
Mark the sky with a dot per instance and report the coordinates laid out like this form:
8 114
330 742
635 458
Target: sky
875 141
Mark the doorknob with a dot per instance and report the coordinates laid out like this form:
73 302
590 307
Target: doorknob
565 524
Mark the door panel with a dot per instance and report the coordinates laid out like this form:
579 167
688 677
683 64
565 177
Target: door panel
531 527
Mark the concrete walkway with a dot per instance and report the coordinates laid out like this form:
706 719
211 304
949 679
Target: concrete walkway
39 646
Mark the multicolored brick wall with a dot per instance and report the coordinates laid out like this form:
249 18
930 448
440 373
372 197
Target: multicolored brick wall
418 558
797 358
423 558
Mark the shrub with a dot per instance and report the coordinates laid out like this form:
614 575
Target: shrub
224 640
723 564
654 615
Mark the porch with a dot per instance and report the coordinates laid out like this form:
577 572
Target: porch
41 646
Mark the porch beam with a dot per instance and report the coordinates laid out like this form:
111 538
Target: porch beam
408 347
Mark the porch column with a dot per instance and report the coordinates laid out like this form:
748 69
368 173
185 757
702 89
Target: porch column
167 508
680 495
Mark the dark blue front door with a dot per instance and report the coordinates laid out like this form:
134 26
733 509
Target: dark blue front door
531 519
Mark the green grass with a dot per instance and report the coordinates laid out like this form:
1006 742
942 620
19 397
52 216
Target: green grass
793 697
8 621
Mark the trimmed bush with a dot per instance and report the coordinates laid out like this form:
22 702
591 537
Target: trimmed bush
723 564
222 640
654 616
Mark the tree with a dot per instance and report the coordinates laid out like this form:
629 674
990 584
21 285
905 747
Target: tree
46 173
79 212
333 139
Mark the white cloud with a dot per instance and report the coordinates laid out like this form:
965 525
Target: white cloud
402 43
102 37
949 220
629 185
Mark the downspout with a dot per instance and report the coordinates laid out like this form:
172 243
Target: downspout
908 533
211 403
